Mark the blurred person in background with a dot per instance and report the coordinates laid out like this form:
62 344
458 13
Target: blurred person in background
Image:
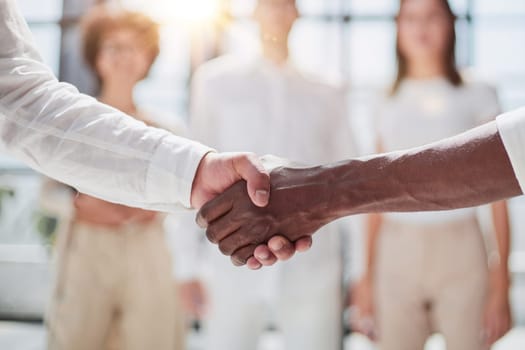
430 272
265 105
114 287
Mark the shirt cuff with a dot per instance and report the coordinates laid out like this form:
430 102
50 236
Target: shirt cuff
511 128
172 170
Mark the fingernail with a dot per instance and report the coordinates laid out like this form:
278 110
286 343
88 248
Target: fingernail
278 246
263 255
261 196
236 261
200 221
254 265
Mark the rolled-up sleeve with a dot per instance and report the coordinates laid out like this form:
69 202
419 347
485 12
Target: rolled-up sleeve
75 139
511 127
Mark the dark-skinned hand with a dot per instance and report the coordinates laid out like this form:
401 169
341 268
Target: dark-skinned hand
251 234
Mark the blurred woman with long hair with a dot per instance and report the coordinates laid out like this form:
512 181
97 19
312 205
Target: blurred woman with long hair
114 287
430 272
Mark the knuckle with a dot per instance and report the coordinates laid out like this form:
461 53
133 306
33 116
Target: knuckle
250 155
242 158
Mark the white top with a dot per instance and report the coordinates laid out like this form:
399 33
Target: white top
424 111
253 105
76 140
512 131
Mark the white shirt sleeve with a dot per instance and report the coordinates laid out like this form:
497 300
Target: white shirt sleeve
512 131
76 140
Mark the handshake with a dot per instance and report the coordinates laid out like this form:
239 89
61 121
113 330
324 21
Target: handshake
258 217
264 216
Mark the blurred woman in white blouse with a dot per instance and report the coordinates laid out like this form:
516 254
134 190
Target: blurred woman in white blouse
114 287
431 272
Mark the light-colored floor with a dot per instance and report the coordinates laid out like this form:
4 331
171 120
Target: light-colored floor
515 340
16 336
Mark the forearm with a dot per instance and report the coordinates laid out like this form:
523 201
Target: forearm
498 257
76 140
467 170
92 147
464 171
374 223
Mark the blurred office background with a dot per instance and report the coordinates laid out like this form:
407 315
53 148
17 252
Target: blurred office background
347 41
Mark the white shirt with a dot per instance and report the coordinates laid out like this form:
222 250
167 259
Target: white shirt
76 140
254 105
511 128
424 111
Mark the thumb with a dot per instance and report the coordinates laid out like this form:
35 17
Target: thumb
251 169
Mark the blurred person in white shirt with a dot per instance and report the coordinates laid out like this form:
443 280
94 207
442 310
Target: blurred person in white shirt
430 272
264 104
114 287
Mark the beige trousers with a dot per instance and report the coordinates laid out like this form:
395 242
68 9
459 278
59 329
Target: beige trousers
114 290
430 279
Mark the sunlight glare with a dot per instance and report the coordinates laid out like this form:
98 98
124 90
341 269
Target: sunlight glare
186 11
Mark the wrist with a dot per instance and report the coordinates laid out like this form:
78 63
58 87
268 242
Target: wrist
199 181
333 191
360 186
499 280
304 192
